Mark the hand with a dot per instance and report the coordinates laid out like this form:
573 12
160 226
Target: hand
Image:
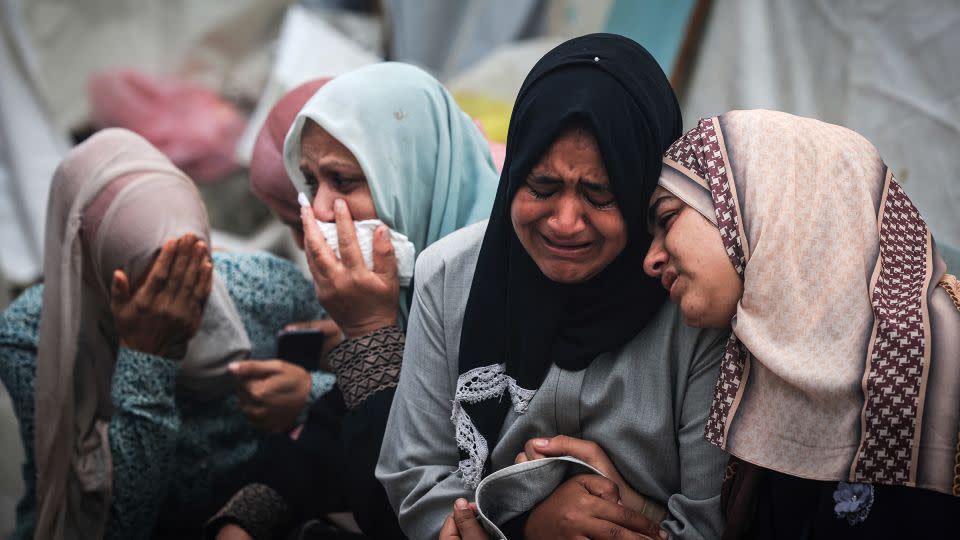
332 336
358 299
161 315
587 506
232 531
272 393
462 523
590 453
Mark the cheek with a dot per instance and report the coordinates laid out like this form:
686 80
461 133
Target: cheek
523 213
361 204
611 228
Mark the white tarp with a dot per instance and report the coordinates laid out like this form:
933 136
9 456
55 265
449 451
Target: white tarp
889 70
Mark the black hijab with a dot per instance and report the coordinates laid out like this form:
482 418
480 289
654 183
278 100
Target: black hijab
517 316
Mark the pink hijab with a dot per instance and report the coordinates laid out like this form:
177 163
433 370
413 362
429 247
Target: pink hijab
102 216
268 179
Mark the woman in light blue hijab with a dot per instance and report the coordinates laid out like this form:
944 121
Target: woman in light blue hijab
427 164
386 164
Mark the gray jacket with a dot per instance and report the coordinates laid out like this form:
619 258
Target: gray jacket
645 405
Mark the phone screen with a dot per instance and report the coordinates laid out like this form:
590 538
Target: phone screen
301 347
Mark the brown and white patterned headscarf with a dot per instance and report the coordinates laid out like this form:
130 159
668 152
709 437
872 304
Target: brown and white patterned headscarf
844 361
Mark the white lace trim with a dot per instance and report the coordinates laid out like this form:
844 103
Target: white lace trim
480 384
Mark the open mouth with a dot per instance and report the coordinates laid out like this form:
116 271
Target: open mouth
566 249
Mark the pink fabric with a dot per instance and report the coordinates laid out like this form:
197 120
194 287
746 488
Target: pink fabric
193 126
268 178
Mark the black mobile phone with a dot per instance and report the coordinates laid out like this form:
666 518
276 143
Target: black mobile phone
301 347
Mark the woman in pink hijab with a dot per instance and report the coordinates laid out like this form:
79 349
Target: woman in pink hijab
268 179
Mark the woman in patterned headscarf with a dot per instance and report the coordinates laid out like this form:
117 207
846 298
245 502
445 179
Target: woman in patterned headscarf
839 389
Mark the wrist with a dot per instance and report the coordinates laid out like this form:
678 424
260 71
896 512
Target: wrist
368 327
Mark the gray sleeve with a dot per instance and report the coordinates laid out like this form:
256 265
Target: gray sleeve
695 511
419 456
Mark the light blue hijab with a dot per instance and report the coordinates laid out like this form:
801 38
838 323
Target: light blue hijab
427 164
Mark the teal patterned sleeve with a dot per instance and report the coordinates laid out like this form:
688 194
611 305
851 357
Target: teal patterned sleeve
18 350
143 440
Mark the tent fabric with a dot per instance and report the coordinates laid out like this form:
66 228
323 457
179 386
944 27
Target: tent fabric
879 67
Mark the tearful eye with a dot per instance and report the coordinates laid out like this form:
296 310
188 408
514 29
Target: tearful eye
538 194
601 205
312 183
666 219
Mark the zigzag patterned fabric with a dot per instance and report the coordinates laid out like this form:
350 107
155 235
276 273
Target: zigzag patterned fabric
825 375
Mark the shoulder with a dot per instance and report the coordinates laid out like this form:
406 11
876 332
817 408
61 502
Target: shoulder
20 320
691 350
453 253
257 269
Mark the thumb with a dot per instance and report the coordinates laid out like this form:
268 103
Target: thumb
384 259
119 288
245 369
466 520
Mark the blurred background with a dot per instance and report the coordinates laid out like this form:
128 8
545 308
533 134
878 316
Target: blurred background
197 78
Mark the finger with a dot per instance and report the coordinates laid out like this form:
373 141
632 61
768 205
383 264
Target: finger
204 285
254 369
180 262
157 276
601 487
532 449
621 516
521 458
384 258
350 253
449 530
119 288
320 257
601 529
191 275
466 521
563 445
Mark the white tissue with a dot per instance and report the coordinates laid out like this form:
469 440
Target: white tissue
403 248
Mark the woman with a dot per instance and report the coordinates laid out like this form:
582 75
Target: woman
268 178
839 388
539 323
390 143
140 432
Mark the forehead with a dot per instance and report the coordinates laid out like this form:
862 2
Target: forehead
315 139
574 148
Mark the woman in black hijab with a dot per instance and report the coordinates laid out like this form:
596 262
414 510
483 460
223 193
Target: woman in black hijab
548 303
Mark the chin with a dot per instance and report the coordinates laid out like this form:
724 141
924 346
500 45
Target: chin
566 273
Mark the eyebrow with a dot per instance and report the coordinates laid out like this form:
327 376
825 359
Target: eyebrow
332 165
594 186
652 211
544 179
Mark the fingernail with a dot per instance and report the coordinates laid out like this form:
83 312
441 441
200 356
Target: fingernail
462 504
340 206
303 200
541 443
663 534
233 366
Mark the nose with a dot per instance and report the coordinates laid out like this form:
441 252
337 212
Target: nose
323 203
656 259
567 219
